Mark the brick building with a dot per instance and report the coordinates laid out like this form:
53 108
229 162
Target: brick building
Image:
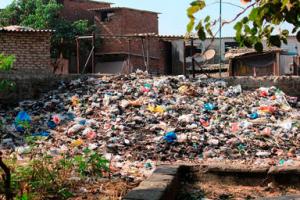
74 10
127 40
30 47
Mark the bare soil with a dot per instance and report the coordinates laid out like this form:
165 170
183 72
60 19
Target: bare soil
202 185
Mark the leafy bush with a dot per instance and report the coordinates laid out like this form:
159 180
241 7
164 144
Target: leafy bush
91 163
46 177
261 22
6 62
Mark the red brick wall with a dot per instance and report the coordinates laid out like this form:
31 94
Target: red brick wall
32 50
78 9
139 22
127 21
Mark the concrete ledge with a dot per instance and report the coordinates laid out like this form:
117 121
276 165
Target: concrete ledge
294 197
284 170
163 184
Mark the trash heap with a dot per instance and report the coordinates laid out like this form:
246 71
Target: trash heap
137 120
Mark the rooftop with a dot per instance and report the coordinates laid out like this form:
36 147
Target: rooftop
15 28
233 53
94 1
119 8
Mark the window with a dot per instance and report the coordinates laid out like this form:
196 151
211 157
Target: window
195 50
106 16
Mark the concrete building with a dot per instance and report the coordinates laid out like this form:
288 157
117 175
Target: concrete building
286 58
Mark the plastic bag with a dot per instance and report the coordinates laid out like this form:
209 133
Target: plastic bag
209 107
170 137
22 121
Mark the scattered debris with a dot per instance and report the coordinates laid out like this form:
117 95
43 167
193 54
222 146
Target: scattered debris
137 119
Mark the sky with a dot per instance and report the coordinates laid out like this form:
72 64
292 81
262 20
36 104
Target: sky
173 19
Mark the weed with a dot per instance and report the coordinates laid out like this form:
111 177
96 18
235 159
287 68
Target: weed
6 62
48 178
91 163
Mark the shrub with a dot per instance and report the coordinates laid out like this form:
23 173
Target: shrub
6 62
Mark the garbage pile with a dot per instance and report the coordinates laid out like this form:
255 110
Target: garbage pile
138 120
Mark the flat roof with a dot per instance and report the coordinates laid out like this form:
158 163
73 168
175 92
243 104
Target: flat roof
120 8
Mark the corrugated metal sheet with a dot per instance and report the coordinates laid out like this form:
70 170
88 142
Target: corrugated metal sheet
24 29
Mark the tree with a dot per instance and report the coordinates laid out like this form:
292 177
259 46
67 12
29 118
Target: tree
260 24
44 14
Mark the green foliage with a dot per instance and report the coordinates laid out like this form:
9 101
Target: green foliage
261 23
91 163
46 177
44 14
6 63
7 85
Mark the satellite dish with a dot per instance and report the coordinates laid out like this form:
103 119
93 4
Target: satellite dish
200 58
209 54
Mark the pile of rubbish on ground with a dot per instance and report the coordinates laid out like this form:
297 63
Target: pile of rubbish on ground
138 120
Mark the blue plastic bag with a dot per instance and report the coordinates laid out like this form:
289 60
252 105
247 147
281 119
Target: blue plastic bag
70 116
51 124
209 107
22 121
253 115
42 133
170 137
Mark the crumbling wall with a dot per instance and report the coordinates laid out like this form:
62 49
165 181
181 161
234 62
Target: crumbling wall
31 49
29 86
289 84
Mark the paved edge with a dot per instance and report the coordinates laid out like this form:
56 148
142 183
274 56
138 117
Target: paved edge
162 184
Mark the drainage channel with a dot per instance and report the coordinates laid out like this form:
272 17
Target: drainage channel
222 182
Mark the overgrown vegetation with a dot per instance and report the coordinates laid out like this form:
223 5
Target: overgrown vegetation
50 178
6 63
263 22
44 14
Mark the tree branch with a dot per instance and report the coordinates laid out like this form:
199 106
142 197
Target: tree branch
239 14
7 177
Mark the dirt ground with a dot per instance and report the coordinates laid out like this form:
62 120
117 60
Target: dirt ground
217 190
226 186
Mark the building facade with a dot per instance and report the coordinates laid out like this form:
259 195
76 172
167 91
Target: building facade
126 41
30 47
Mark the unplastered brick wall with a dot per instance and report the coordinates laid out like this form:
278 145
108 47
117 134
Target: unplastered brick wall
78 9
31 49
126 21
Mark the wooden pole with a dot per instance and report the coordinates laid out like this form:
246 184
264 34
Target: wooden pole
93 54
143 49
148 46
184 59
192 54
78 59
7 180
129 57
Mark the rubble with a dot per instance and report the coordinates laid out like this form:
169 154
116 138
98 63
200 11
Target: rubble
137 121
